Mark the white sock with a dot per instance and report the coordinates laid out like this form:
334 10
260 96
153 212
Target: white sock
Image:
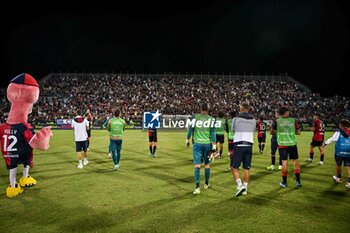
85 159
80 161
25 171
239 182
245 184
12 177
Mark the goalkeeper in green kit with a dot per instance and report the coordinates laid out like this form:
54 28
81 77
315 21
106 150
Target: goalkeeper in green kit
203 132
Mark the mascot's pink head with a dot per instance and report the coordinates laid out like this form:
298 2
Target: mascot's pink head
22 92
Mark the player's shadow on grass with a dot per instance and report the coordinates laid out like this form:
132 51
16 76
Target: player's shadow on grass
97 151
106 170
260 174
161 165
338 194
170 179
101 161
36 171
55 176
89 220
54 163
266 198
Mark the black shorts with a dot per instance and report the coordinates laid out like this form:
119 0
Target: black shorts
12 161
241 154
262 139
316 143
220 138
274 146
291 152
339 160
153 138
89 133
81 146
231 146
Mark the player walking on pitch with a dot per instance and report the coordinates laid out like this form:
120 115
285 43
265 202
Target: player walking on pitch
204 143
105 124
116 127
243 127
317 140
287 128
220 134
342 150
261 126
228 128
153 139
274 145
80 126
89 118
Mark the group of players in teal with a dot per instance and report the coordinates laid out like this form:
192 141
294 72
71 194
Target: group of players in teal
208 144
283 130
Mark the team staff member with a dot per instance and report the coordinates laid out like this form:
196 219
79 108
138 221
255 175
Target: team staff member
243 127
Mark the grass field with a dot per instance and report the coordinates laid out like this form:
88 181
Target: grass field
155 195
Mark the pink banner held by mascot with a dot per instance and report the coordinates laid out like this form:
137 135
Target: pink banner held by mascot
17 137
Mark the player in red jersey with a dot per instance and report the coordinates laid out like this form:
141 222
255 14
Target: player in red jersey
261 127
153 139
317 140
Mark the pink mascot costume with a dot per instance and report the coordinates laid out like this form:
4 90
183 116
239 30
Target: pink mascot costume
17 137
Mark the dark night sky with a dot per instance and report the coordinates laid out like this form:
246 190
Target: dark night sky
307 39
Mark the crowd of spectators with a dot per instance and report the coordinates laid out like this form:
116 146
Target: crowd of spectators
62 94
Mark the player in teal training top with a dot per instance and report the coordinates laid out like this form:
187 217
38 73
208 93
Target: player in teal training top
204 142
116 127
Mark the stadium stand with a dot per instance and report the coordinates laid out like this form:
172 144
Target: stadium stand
63 93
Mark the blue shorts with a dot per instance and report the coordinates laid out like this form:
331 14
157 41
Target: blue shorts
201 153
242 154
339 160
81 146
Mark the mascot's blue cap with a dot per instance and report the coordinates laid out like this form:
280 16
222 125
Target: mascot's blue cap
25 79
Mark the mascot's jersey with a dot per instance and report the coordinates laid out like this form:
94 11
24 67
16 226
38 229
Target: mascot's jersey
14 140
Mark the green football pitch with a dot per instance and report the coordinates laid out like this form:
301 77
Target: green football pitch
155 194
